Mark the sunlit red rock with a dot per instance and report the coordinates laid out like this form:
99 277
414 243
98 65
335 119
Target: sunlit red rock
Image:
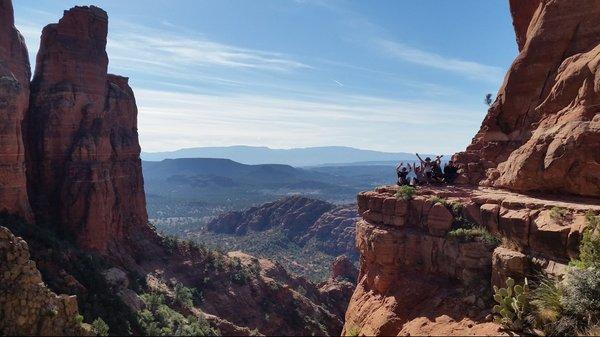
83 150
543 132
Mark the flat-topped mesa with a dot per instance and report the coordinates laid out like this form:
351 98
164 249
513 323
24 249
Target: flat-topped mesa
82 142
543 131
15 74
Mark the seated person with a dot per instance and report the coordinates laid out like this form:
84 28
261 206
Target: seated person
450 172
402 173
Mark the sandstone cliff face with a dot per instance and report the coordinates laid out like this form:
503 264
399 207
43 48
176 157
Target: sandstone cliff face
27 307
15 74
82 145
543 131
407 256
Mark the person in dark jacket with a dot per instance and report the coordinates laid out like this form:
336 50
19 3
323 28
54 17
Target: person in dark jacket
450 172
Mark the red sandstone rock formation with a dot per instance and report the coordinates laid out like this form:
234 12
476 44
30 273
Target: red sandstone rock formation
82 143
543 131
14 99
416 279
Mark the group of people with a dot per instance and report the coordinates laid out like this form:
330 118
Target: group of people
427 172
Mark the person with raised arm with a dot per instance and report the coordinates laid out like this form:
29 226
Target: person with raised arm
427 167
402 172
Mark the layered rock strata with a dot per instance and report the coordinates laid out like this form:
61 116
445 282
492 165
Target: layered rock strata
543 131
408 255
15 74
82 143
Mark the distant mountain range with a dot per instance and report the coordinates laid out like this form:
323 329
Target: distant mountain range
312 156
206 186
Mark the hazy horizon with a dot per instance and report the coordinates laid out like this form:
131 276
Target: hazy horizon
385 76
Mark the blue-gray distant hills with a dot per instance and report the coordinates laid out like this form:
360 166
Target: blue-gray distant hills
311 156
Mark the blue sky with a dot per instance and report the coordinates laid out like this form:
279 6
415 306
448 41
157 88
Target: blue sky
393 75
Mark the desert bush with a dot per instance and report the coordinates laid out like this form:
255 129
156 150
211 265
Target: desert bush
184 295
589 247
474 233
437 199
406 192
161 320
581 297
100 327
558 213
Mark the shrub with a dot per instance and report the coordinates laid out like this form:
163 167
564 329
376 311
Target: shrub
436 199
558 213
161 320
100 327
582 295
546 304
78 319
184 295
353 331
406 192
589 248
475 233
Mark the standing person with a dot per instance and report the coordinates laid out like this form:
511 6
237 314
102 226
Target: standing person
450 172
402 172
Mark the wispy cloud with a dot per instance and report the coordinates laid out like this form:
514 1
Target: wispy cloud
170 119
469 69
163 48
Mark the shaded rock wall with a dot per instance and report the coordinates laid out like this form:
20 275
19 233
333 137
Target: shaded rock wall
543 131
82 142
15 74
27 306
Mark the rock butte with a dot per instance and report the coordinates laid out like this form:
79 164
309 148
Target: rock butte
82 143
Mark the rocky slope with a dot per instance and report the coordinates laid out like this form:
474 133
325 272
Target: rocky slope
301 219
540 137
542 132
27 306
304 234
14 99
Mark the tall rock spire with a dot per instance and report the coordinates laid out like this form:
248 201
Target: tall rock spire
15 74
82 142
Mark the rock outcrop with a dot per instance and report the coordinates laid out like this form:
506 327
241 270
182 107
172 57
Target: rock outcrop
294 215
15 74
27 306
82 143
303 220
543 131
408 255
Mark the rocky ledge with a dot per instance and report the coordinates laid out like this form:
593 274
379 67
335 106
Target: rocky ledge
410 253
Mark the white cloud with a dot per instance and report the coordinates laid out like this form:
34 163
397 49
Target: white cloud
161 48
469 69
170 120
